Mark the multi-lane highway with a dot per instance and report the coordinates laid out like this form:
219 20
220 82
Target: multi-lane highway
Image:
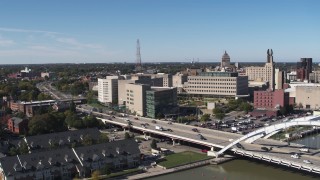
281 152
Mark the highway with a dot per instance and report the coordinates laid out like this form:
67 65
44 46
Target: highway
281 152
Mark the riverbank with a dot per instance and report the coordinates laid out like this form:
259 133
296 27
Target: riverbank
160 170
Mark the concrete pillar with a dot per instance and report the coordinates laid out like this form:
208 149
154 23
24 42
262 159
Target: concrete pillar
173 142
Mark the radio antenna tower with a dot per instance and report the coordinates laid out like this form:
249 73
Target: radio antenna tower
138 60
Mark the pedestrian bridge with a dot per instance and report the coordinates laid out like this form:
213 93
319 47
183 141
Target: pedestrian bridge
304 121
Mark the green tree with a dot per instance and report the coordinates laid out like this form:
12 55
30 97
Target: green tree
95 175
244 106
87 140
153 144
106 170
23 149
205 117
127 135
103 138
220 116
13 151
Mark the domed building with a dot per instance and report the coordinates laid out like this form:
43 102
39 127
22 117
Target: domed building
225 61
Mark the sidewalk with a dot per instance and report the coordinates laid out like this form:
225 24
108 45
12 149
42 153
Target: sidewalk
157 171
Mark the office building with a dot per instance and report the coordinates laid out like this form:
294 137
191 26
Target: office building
265 73
307 96
135 98
314 77
219 84
279 79
161 101
108 89
304 68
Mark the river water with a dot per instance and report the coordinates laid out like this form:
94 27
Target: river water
241 169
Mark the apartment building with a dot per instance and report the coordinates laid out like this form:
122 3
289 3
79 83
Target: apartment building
108 89
265 73
66 163
221 84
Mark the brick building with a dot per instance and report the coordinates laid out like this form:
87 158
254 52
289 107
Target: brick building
271 99
17 125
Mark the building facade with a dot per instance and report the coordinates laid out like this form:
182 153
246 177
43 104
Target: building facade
314 77
17 125
108 89
304 68
266 73
270 99
135 98
307 97
279 79
222 84
225 60
161 101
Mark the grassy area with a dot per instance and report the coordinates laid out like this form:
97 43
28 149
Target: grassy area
97 105
116 174
182 158
122 173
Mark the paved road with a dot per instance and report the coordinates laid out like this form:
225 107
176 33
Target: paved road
219 138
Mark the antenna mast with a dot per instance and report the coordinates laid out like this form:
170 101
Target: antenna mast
138 60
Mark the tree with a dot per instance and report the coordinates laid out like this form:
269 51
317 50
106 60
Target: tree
95 175
220 116
23 149
103 138
106 170
244 106
300 105
13 151
127 135
87 140
160 115
205 117
153 144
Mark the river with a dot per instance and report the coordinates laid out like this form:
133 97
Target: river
241 169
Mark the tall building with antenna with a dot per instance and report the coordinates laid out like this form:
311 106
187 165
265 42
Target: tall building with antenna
138 60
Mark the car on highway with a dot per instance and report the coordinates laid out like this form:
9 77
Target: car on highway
136 118
154 121
169 122
147 124
195 130
307 161
304 149
295 156
170 130
239 146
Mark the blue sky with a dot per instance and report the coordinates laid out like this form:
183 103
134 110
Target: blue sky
77 31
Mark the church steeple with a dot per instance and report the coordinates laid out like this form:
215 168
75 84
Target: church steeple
270 56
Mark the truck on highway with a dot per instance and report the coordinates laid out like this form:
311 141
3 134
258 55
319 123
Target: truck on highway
159 128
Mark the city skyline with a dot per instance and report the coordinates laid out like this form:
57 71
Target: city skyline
37 32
